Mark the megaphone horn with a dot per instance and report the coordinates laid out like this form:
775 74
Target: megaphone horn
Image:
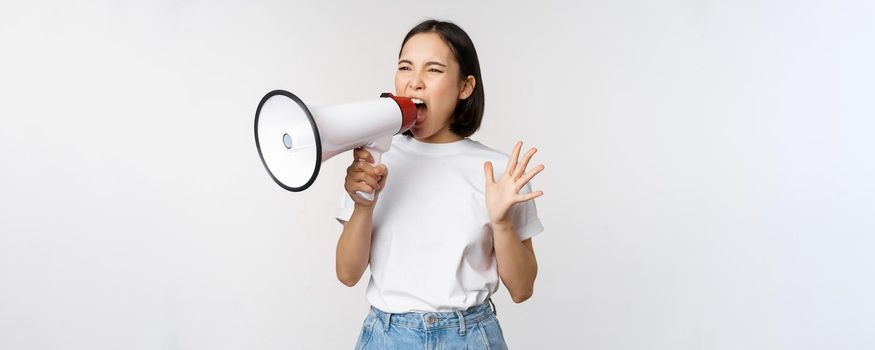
293 139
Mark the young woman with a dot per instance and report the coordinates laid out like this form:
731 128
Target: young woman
439 235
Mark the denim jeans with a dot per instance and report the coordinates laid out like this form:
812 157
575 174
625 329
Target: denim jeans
474 328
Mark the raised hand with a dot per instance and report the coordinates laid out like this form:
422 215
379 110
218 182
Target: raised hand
503 194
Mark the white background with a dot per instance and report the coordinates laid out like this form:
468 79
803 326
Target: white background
708 183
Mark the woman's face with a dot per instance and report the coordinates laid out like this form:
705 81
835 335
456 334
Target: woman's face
428 70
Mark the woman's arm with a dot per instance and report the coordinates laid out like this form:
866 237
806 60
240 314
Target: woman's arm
516 261
354 246
517 266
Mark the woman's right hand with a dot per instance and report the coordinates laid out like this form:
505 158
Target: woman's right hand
362 176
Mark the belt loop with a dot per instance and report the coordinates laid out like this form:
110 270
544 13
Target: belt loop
387 322
494 311
461 323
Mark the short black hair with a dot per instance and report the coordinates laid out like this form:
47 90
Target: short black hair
469 112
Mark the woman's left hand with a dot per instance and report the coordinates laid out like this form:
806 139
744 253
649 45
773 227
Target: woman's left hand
502 195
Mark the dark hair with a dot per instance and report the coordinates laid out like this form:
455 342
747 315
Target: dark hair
468 112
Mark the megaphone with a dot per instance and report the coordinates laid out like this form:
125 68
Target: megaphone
293 139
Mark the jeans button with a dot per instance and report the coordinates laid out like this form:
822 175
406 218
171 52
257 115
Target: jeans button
431 319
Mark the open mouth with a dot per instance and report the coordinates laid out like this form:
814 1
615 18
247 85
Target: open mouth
421 109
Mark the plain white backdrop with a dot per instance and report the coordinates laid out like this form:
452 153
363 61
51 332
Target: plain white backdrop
708 183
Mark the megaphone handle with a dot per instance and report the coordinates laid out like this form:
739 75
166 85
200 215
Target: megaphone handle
376 150
376 154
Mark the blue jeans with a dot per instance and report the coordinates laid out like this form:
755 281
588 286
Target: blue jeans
475 328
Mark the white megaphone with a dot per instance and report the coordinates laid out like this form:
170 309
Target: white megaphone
293 140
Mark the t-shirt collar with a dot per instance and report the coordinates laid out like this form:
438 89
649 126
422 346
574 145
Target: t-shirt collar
417 146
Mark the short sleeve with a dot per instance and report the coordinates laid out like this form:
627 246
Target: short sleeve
525 217
346 208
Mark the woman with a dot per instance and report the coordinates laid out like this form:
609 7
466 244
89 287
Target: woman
441 233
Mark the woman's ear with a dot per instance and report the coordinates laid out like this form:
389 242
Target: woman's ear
467 87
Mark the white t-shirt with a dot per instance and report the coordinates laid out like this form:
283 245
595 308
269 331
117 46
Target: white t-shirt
431 246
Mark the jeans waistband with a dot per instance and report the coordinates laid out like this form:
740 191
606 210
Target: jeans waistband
437 320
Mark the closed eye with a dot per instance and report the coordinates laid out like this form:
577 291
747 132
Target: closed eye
430 70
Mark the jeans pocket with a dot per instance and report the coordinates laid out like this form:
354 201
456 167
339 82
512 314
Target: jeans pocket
493 337
366 332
